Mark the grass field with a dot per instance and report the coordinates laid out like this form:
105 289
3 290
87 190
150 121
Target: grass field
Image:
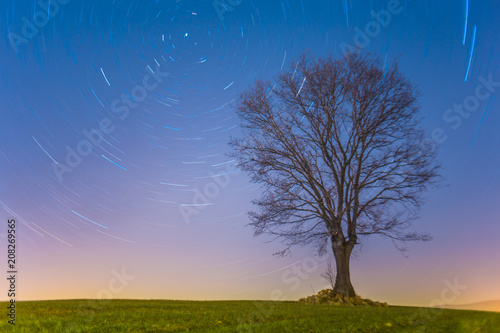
236 316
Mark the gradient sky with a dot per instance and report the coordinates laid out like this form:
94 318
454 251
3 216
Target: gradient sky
145 200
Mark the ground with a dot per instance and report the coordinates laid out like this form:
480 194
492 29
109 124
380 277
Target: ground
238 316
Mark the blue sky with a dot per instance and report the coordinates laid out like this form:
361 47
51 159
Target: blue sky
160 77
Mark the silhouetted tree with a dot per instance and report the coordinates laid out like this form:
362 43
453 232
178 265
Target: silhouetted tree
337 146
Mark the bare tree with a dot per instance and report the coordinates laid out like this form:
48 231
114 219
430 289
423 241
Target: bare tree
337 146
329 274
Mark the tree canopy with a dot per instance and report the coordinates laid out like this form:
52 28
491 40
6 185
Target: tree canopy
337 146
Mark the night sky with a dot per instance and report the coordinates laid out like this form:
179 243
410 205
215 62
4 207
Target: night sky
115 118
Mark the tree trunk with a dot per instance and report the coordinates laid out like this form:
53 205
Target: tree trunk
343 284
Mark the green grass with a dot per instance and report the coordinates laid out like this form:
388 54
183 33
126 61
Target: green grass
237 316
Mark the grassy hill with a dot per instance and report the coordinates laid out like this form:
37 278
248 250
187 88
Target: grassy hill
237 316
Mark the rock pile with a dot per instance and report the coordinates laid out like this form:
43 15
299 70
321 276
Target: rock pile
326 296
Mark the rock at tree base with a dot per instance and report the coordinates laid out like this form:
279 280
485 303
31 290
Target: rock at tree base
326 296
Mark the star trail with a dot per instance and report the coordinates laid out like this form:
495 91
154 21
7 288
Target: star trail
115 119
